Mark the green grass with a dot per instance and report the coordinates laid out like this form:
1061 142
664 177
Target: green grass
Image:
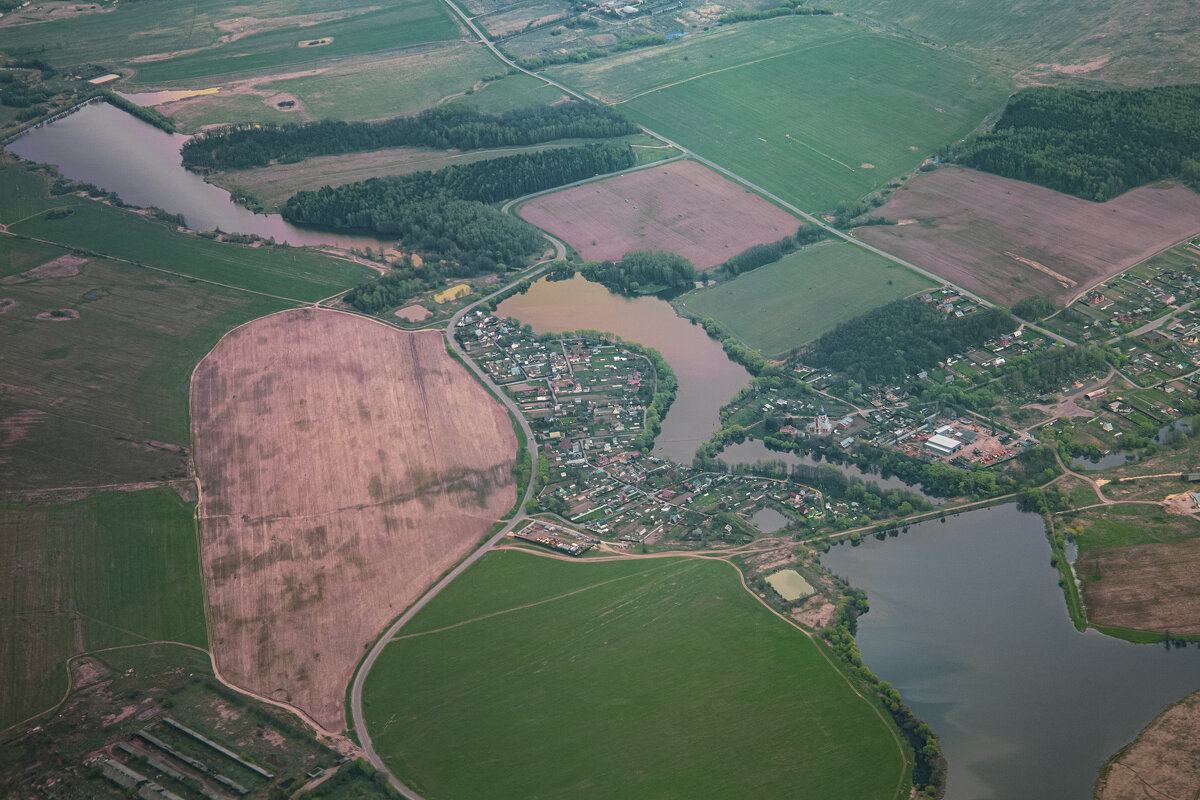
1129 525
114 569
783 305
801 120
634 679
123 369
288 272
365 30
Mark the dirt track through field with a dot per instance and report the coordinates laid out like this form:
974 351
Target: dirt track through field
345 465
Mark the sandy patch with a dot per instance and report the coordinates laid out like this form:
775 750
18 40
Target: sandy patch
413 313
682 207
62 267
6 303
1181 505
987 233
345 465
816 613
58 315
865 165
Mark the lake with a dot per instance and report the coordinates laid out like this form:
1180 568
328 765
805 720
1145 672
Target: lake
707 378
120 153
967 621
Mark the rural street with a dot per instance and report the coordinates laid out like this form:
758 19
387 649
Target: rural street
360 677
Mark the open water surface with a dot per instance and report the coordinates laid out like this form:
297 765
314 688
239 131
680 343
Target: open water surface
120 153
969 624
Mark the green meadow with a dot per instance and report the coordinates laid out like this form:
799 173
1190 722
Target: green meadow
117 568
784 305
648 678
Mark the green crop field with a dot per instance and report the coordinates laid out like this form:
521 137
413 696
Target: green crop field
828 118
364 30
110 382
1130 525
659 679
786 304
116 568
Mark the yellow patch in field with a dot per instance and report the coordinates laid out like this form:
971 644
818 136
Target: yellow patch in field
453 293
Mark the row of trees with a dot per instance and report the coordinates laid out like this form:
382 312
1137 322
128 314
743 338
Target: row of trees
641 272
786 8
1094 145
444 214
585 54
442 127
901 338
762 254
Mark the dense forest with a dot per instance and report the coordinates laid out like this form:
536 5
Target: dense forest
444 214
901 338
394 288
641 272
1050 370
1034 308
442 127
1094 145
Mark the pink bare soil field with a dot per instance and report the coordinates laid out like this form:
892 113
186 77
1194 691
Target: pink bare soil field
345 466
682 207
967 226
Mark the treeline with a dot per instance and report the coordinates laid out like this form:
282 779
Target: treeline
901 338
641 272
1034 308
444 214
786 8
394 288
586 54
149 115
1094 145
443 127
762 254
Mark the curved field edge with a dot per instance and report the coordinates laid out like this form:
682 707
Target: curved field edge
1163 761
642 678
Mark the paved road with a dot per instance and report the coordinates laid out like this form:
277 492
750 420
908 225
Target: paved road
356 688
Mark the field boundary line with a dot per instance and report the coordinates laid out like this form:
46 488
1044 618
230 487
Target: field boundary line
502 612
743 64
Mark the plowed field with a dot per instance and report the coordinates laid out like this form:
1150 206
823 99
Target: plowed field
982 231
682 207
1149 587
344 467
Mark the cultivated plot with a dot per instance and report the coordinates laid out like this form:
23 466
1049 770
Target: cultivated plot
818 119
644 678
1006 239
682 207
1164 761
112 569
344 467
784 305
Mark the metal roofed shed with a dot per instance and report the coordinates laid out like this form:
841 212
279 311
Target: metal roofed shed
943 445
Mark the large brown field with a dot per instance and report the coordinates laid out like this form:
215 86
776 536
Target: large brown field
1164 761
681 207
344 466
1149 587
981 231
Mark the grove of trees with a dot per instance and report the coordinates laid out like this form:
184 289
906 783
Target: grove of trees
641 272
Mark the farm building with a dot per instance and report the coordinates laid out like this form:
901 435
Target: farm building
943 445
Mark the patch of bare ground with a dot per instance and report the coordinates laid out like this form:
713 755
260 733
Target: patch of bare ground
987 233
816 613
344 466
1150 587
58 315
6 303
682 207
1163 762
62 267
414 313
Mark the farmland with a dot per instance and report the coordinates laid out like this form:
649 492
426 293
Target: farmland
344 467
104 230
108 384
1138 568
404 82
1164 761
662 664
113 569
781 306
682 207
982 231
816 110
273 185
